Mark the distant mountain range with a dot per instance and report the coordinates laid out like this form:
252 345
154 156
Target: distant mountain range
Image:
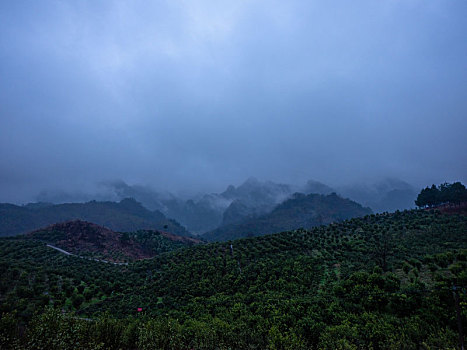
233 205
300 211
203 213
125 216
251 199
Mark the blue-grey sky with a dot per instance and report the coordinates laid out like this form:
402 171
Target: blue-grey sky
194 95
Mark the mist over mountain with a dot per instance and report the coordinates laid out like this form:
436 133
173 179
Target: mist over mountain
200 213
214 209
152 120
313 186
252 198
389 194
115 190
300 210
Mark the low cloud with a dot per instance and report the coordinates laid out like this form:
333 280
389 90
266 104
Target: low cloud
192 96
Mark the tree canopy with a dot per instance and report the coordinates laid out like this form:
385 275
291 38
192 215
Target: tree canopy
446 193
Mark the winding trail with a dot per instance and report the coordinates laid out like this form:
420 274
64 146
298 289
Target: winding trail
59 249
82 257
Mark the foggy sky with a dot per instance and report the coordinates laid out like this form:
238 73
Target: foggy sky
194 95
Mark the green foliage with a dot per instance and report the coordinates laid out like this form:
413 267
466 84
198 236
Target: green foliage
50 330
9 333
160 334
378 282
157 243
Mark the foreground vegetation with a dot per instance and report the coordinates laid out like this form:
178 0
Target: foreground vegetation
383 282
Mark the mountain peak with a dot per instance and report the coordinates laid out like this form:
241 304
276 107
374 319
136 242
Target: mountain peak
313 186
252 181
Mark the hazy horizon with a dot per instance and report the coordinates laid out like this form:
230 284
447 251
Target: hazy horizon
107 190
190 97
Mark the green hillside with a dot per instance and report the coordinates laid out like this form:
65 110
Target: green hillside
89 240
125 216
301 210
381 282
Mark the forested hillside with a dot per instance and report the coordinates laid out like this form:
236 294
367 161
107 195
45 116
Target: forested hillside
124 216
207 211
382 282
86 239
301 210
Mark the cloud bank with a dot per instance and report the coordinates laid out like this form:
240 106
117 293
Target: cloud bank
194 95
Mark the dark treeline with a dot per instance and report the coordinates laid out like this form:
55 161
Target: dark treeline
446 193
